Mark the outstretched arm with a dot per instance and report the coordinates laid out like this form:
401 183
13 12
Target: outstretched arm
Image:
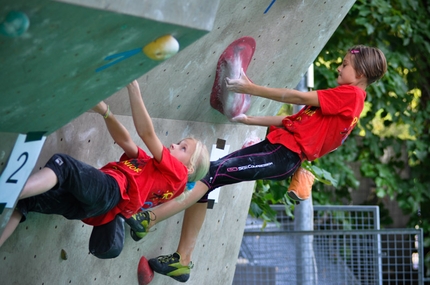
118 132
265 121
180 203
142 121
285 95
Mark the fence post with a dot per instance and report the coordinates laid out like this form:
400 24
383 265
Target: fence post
306 264
303 216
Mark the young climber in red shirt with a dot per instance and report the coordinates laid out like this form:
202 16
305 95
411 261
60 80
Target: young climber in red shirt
76 190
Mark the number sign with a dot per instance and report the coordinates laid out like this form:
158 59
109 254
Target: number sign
21 162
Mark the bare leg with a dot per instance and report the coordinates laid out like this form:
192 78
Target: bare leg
13 222
39 182
175 206
193 220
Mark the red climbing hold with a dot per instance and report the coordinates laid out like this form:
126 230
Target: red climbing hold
144 272
235 57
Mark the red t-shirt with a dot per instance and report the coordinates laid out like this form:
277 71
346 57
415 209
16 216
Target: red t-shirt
315 131
143 182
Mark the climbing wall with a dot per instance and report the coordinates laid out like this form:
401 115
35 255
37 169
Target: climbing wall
49 87
71 57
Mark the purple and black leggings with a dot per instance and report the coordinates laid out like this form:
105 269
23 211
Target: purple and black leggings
263 160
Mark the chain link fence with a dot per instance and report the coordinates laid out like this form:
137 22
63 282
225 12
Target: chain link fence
346 247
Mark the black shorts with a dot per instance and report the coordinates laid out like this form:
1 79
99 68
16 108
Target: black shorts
263 160
82 191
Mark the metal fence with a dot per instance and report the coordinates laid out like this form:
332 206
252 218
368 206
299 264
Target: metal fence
346 247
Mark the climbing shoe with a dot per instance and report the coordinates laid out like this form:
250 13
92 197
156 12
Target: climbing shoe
169 265
139 223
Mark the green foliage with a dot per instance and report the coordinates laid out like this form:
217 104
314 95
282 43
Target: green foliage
391 143
396 165
320 174
269 192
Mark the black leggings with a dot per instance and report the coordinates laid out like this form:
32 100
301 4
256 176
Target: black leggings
263 160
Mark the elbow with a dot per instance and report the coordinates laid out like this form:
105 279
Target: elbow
300 99
142 136
146 135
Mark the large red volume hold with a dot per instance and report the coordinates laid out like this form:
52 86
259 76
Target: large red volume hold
235 57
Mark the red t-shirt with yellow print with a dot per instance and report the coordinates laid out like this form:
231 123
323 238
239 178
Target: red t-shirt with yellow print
143 182
315 131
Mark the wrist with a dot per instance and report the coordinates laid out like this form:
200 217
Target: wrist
107 113
152 220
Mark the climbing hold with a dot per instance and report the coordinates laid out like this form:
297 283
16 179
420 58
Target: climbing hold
144 272
161 48
15 24
235 57
251 140
63 254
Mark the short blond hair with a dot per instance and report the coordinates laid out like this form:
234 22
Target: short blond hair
199 161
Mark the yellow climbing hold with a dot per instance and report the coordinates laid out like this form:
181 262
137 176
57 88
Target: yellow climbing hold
161 48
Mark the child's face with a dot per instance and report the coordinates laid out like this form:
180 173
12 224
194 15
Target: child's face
346 72
183 150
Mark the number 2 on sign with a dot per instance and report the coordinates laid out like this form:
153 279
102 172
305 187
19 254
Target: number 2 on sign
20 164
10 180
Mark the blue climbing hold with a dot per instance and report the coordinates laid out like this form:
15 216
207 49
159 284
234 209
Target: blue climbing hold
15 24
